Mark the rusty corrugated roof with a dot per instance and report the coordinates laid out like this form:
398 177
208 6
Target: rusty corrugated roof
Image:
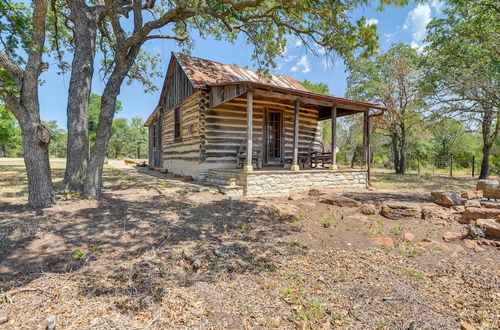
203 72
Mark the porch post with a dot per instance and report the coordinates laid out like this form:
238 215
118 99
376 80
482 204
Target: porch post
368 151
333 166
365 159
248 166
295 160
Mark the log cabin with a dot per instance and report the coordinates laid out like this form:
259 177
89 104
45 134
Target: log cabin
250 133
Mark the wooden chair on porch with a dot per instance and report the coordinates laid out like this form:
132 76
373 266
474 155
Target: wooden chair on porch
241 155
317 154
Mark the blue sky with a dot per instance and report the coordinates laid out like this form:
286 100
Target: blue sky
393 25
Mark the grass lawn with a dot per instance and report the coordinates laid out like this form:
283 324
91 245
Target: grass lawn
421 182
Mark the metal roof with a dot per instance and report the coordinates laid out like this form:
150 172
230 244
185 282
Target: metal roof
203 72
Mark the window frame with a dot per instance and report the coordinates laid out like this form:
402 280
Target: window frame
178 124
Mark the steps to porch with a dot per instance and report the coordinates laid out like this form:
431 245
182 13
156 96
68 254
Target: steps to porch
228 183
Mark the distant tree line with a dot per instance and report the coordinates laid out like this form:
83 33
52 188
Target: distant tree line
129 137
442 101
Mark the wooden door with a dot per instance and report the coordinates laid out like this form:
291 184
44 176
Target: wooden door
273 141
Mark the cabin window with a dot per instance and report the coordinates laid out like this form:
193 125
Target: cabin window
177 124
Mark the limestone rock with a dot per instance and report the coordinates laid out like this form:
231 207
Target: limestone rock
470 244
479 249
490 188
384 241
341 201
472 203
408 237
295 197
399 210
433 213
472 194
446 199
458 208
466 326
454 235
490 205
368 209
474 213
316 192
490 226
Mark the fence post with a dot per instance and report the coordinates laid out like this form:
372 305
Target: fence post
451 166
473 164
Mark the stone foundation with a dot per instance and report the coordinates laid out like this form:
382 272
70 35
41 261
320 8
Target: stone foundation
283 183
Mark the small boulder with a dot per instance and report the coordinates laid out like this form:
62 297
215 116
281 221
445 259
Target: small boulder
472 194
384 241
466 326
479 249
474 213
316 192
408 237
434 213
472 203
295 197
490 205
399 210
341 201
490 188
221 254
490 227
470 244
368 209
446 199
457 208
454 235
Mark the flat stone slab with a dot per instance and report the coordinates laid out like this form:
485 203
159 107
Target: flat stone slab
474 213
446 199
339 200
400 210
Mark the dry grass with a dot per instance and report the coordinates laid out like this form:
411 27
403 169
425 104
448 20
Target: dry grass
421 182
144 256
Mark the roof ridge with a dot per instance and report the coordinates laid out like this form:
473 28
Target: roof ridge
278 75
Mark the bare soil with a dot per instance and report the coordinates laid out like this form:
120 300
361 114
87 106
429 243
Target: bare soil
159 252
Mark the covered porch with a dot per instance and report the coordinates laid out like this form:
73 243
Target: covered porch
280 155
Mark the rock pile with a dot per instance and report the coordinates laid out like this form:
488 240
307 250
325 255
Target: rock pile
481 216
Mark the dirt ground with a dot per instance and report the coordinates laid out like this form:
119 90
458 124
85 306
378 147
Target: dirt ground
158 252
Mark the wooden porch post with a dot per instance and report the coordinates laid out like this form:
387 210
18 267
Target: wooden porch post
248 166
333 166
295 160
368 151
365 159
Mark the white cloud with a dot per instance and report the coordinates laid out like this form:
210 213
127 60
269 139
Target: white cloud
298 43
389 36
371 21
438 5
417 46
321 50
417 21
290 58
302 65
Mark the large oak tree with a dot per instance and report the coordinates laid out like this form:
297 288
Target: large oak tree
462 67
19 80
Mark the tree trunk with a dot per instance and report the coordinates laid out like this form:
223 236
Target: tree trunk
485 164
36 160
78 95
93 179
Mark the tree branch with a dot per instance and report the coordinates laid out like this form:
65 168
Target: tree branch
11 67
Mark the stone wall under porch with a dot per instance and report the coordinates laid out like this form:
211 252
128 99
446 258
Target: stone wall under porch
279 183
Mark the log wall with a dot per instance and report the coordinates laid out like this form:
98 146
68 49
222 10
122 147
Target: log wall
182 155
225 130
